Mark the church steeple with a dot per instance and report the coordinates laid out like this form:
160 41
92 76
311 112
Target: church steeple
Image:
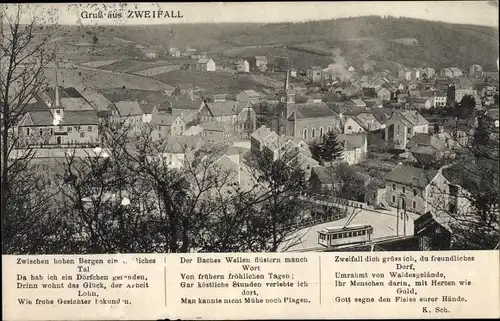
56 108
289 95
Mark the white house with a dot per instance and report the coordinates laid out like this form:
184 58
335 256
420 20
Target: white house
205 64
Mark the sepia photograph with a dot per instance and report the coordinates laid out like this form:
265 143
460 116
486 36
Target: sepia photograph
323 127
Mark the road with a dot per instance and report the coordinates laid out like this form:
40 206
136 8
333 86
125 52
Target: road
384 224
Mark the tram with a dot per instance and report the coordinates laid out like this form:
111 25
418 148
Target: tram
344 235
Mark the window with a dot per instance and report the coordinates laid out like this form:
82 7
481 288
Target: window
415 192
82 134
313 132
70 129
51 131
393 187
321 132
90 128
409 130
398 127
393 199
414 204
305 133
329 128
58 111
27 131
41 132
404 189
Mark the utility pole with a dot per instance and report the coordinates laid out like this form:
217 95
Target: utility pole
397 218
404 221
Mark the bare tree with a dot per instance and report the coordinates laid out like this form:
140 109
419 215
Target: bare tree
470 203
23 56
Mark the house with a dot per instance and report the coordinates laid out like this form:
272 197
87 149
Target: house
224 161
384 94
201 55
216 132
315 98
293 72
168 125
414 93
439 99
369 120
403 125
243 66
174 52
239 115
186 106
420 103
475 71
150 53
429 148
264 140
434 231
356 103
463 87
322 178
205 64
405 74
451 72
375 193
177 150
428 73
355 147
128 113
314 74
248 96
298 88
369 92
41 125
260 63
351 69
354 126
403 98
420 190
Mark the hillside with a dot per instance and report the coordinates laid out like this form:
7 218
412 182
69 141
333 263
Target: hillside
375 42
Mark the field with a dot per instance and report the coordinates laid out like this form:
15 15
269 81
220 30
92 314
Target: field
94 78
218 82
132 66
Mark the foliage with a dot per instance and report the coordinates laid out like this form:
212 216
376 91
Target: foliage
330 148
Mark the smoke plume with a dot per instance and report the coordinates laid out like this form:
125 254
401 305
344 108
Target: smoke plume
339 66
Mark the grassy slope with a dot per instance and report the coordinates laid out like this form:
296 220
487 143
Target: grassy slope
439 44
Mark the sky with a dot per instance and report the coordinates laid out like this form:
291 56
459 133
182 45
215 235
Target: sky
466 12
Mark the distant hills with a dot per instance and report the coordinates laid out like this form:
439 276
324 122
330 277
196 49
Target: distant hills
365 42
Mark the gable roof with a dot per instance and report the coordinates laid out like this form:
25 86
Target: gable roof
262 132
316 110
412 176
352 141
86 117
225 108
412 116
324 174
41 118
128 108
251 93
358 102
203 61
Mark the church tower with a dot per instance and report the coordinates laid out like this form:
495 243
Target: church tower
56 109
289 97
